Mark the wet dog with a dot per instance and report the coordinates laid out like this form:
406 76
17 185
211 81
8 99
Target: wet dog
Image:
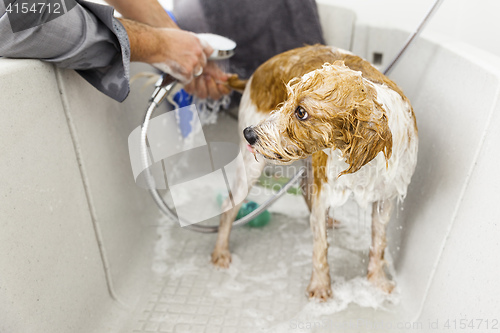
356 125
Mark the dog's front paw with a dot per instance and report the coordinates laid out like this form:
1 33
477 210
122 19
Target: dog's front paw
221 258
321 293
382 283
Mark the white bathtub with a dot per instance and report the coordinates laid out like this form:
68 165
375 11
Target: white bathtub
78 237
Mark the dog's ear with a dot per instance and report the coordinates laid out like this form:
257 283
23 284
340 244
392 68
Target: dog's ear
366 134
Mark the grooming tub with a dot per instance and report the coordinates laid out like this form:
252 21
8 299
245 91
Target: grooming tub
84 249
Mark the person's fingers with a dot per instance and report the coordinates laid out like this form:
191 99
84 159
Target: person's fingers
207 49
190 87
198 71
201 88
183 54
206 86
223 88
177 71
213 92
210 84
202 60
214 71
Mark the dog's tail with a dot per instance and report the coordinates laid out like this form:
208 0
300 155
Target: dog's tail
235 83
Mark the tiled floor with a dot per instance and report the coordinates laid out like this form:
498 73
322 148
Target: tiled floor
264 289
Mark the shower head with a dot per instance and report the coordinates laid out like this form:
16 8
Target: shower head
223 47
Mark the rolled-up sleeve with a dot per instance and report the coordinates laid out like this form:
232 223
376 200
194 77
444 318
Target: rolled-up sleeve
87 38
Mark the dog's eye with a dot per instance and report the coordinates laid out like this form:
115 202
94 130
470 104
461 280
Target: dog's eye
301 113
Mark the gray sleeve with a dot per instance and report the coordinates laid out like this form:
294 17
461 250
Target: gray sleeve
86 38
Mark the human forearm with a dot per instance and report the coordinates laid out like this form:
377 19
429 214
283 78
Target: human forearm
174 51
144 41
149 12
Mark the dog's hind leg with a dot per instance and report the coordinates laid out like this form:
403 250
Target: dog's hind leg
381 215
320 285
221 257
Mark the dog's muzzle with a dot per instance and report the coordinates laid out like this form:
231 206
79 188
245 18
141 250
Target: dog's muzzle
250 135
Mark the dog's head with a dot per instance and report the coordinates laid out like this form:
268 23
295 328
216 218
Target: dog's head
331 107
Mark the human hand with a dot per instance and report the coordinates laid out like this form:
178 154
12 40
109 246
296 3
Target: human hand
178 53
187 62
182 54
211 84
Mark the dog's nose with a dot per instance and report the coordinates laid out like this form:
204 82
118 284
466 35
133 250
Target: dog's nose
250 135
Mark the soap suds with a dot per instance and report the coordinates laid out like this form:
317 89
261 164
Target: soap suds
265 285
